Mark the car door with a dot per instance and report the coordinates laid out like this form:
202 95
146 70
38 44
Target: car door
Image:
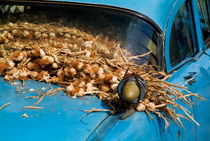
189 65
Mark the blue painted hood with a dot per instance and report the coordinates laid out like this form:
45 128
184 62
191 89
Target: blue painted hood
59 120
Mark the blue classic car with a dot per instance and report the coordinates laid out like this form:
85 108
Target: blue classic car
178 34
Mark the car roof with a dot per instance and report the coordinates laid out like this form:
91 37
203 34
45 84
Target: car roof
156 10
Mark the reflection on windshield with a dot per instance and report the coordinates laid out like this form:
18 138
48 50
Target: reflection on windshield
132 34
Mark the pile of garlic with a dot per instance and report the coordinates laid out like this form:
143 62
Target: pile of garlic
83 64
67 56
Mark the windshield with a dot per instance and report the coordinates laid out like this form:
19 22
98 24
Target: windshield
110 28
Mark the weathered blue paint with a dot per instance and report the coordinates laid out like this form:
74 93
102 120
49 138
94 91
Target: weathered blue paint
201 67
59 120
141 127
208 51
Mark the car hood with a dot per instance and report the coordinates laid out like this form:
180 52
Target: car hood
60 119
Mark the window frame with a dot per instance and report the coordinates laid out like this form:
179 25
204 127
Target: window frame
197 33
194 42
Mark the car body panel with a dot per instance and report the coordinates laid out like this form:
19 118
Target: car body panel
202 86
198 64
60 118
141 127
208 52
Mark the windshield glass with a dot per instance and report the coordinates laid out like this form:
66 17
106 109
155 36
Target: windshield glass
107 27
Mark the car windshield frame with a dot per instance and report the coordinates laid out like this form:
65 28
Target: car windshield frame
159 57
